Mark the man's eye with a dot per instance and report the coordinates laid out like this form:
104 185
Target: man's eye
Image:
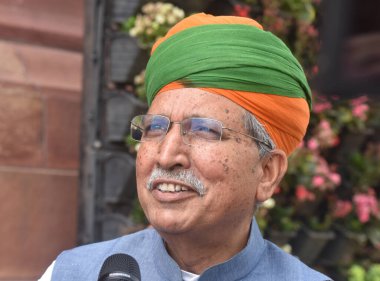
205 132
155 130
201 129
154 127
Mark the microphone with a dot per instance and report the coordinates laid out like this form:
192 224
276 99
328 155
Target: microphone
120 267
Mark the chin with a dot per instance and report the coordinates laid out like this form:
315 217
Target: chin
166 226
165 230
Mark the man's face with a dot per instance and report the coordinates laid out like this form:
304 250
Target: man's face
230 170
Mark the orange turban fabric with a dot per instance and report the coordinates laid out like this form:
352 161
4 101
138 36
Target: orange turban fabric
283 109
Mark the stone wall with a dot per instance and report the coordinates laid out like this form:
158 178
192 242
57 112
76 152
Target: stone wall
40 108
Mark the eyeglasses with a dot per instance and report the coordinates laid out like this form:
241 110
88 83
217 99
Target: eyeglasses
194 130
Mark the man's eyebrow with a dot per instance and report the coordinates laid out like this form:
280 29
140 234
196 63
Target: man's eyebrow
161 114
186 116
196 114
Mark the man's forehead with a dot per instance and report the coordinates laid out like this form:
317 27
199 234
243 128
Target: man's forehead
194 103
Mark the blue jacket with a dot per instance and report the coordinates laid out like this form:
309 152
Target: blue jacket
260 260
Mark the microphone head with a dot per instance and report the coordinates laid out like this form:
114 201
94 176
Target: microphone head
120 267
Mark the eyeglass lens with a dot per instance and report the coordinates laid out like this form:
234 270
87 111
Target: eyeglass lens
154 128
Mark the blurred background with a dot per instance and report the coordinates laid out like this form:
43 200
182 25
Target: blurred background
72 77
41 54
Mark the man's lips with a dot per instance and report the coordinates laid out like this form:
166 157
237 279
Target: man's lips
172 192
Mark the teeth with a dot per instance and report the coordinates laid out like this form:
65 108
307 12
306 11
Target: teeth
169 187
163 187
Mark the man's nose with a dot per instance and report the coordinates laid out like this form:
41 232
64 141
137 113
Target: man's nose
173 152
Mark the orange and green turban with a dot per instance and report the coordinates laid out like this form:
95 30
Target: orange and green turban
234 57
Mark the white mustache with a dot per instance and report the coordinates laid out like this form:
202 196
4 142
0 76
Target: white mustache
185 176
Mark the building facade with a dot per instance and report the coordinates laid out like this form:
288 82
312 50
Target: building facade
41 45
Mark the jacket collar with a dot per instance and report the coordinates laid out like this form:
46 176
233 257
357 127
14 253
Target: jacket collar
233 269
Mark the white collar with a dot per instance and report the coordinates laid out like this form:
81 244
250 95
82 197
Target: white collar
188 276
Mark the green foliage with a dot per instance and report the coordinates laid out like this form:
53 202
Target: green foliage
373 233
282 219
130 141
373 273
320 224
352 223
356 273
293 21
302 10
359 273
262 223
154 21
301 167
128 24
137 213
364 170
131 144
343 115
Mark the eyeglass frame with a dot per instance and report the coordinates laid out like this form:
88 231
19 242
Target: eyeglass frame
267 144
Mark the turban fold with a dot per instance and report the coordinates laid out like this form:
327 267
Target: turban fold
234 57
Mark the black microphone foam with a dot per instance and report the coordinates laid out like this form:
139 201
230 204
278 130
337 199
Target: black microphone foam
120 267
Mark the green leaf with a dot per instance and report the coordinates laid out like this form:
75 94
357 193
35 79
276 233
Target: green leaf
128 24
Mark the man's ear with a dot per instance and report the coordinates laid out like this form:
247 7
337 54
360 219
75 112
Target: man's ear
274 166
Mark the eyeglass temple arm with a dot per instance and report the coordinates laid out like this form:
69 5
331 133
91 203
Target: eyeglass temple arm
252 137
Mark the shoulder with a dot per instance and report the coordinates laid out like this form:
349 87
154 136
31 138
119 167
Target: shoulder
86 260
281 263
123 243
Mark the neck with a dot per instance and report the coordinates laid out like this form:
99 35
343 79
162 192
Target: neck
195 252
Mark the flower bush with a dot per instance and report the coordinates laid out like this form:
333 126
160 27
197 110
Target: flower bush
153 23
332 178
320 188
140 86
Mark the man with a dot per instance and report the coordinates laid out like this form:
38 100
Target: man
228 103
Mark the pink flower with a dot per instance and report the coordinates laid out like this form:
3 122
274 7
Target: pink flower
335 178
360 111
315 69
325 125
359 107
303 194
318 181
301 145
241 10
312 144
278 25
363 210
311 31
321 107
359 100
366 204
342 208
323 167
324 134
335 141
